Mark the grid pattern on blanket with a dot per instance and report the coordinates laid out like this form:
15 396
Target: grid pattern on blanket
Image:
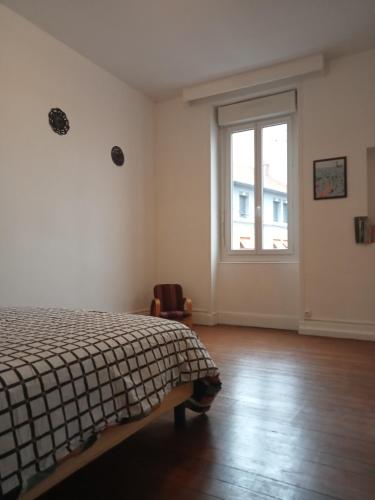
66 375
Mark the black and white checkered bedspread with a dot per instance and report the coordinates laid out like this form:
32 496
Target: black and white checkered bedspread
66 375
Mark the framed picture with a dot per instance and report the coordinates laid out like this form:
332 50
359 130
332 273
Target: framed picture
330 178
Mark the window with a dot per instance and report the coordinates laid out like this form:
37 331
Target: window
242 161
244 204
276 210
257 168
285 212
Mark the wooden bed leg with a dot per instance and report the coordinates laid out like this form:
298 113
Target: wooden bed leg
179 415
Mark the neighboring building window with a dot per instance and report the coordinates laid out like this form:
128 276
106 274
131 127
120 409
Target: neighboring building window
257 169
244 204
285 212
276 210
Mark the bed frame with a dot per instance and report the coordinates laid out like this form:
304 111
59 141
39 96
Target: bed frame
110 438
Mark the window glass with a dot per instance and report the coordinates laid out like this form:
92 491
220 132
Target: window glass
274 163
257 168
242 190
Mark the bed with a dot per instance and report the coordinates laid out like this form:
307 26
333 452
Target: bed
75 383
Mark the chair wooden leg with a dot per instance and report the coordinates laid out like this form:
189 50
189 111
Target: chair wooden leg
179 415
189 321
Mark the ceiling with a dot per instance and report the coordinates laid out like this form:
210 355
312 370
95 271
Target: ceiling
160 46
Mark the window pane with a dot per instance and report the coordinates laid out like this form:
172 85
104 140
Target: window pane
274 186
242 150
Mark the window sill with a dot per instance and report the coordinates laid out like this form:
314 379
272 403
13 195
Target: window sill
258 262
266 258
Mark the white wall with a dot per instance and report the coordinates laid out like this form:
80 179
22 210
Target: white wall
183 198
76 231
338 119
336 115
371 184
188 225
259 294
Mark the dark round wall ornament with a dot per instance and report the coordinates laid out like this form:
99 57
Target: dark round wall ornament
58 121
117 155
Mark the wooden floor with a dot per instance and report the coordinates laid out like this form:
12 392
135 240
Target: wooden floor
295 420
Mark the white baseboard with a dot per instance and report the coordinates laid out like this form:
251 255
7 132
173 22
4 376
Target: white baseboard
139 311
200 317
321 328
206 318
339 329
279 321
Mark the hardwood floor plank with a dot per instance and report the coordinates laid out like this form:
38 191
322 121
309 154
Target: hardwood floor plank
295 470
254 482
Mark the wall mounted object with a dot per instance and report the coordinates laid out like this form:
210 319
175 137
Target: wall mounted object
371 184
117 155
330 178
58 121
362 230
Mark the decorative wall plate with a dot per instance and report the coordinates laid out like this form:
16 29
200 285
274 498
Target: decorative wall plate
117 155
58 121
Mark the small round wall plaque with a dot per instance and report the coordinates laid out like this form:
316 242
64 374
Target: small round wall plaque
58 121
117 155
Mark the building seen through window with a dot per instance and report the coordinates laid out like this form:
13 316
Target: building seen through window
273 189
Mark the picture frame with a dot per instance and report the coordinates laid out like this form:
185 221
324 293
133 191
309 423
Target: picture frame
330 178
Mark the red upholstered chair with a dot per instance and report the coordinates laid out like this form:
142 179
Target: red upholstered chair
169 303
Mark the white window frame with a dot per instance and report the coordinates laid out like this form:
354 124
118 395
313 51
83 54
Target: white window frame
258 254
